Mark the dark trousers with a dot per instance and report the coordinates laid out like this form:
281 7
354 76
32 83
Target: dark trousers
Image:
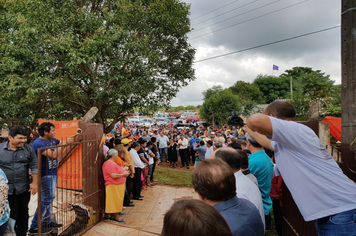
183 153
137 184
19 211
129 190
3 228
192 154
268 221
153 170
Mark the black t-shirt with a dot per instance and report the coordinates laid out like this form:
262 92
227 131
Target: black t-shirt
141 153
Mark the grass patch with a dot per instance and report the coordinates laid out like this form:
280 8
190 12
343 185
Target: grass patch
173 177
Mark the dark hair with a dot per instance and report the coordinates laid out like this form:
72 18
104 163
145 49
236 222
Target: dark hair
235 146
117 141
210 142
234 139
142 141
281 110
149 144
153 139
17 131
201 142
241 142
244 159
252 141
45 127
230 156
135 144
214 180
191 217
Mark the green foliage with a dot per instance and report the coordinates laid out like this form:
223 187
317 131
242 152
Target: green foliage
272 87
211 91
331 106
190 107
60 58
220 105
301 102
247 92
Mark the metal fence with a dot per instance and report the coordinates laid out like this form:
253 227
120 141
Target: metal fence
79 188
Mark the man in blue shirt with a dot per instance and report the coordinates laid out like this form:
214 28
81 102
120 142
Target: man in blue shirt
261 166
48 173
214 181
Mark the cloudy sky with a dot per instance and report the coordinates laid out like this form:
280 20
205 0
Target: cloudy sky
225 26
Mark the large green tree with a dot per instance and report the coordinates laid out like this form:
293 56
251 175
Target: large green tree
273 87
59 58
315 84
211 91
219 106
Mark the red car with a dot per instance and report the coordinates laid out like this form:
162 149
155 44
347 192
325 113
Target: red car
174 114
191 118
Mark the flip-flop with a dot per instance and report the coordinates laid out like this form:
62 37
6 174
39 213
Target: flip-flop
119 221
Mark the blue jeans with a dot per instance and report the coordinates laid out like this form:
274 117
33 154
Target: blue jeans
343 223
161 150
48 191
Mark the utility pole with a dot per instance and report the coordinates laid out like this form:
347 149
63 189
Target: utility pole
348 87
291 88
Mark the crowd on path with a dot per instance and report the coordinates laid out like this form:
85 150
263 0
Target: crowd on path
237 175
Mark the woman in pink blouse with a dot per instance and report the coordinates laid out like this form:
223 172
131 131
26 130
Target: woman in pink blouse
115 178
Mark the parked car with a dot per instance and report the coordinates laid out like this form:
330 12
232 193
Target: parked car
162 121
174 114
183 125
191 118
147 122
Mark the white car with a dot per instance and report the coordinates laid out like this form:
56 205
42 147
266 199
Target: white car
147 122
162 121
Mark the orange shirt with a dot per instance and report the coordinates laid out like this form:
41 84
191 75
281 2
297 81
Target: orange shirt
120 162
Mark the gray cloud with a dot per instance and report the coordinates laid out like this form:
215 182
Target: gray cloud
319 51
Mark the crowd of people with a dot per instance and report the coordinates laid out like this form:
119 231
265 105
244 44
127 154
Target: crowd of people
236 174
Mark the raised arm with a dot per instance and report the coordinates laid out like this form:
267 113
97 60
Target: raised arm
260 123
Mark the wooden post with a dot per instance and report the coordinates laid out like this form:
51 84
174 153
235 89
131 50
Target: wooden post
348 89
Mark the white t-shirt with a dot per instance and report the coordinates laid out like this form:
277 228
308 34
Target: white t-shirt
316 182
247 189
162 141
150 159
136 159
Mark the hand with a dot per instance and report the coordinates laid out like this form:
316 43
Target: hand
78 131
132 175
33 188
126 173
243 118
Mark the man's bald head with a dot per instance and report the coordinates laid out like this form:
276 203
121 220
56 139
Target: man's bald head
280 109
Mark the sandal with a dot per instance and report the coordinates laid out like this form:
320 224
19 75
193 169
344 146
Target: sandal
118 221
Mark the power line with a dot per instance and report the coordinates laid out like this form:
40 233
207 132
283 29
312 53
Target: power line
236 16
226 12
215 10
267 44
239 23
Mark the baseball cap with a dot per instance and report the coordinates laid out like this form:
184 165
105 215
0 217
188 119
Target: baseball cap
126 141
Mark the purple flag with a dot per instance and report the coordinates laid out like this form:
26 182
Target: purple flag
275 67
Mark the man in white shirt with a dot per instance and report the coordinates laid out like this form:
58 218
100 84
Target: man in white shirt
245 188
137 184
319 188
163 140
209 150
183 151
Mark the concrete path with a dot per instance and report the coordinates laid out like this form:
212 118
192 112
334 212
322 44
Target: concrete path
146 217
